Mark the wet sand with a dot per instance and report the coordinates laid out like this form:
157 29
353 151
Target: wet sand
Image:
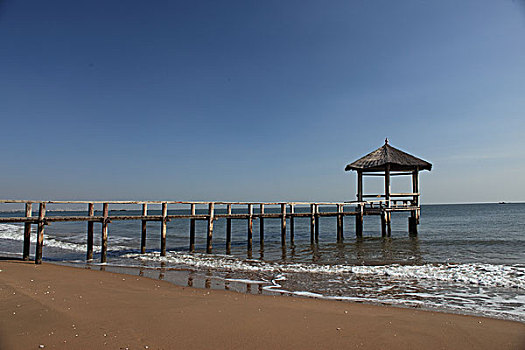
60 307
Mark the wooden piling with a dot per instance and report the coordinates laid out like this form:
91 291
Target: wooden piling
27 231
292 224
144 229
312 223
383 224
388 223
229 230
317 223
283 224
40 233
163 229
412 225
192 229
250 226
261 227
104 241
89 252
359 221
211 210
339 223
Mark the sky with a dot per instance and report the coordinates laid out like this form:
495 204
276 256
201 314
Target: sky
259 100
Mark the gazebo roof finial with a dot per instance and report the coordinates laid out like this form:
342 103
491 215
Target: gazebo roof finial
386 141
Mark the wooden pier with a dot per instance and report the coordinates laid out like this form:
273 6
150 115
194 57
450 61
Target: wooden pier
216 210
386 161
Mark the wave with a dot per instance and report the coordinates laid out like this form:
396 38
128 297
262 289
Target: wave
478 274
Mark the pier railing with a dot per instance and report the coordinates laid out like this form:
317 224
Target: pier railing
215 210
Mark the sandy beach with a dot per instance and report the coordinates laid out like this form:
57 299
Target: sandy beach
62 307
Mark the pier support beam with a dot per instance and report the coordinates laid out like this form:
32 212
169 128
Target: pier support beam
27 231
40 233
316 223
91 212
312 223
283 224
339 223
104 240
163 229
144 229
386 230
229 230
359 221
211 213
250 226
292 224
261 227
192 229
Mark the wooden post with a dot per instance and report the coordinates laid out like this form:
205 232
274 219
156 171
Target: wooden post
413 220
359 221
383 224
104 247
387 186
360 185
229 230
317 223
250 226
40 234
261 227
339 223
312 223
388 223
163 229
283 224
27 231
192 229
211 209
292 225
91 212
144 229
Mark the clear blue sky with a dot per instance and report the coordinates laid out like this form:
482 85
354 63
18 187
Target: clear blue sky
258 100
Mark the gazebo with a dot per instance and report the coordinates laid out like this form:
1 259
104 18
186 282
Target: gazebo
387 161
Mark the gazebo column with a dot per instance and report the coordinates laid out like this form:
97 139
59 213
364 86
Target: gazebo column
386 227
413 220
359 216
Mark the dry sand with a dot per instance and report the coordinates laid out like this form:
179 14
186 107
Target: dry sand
70 308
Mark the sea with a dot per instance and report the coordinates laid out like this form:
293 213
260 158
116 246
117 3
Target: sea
466 259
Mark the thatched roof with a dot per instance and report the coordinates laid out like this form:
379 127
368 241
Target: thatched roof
381 157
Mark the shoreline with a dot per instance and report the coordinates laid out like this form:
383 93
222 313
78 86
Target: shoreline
49 304
200 280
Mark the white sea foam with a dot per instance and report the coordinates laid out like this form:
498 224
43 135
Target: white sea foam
477 274
16 232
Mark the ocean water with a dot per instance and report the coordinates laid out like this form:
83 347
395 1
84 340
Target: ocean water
467 258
